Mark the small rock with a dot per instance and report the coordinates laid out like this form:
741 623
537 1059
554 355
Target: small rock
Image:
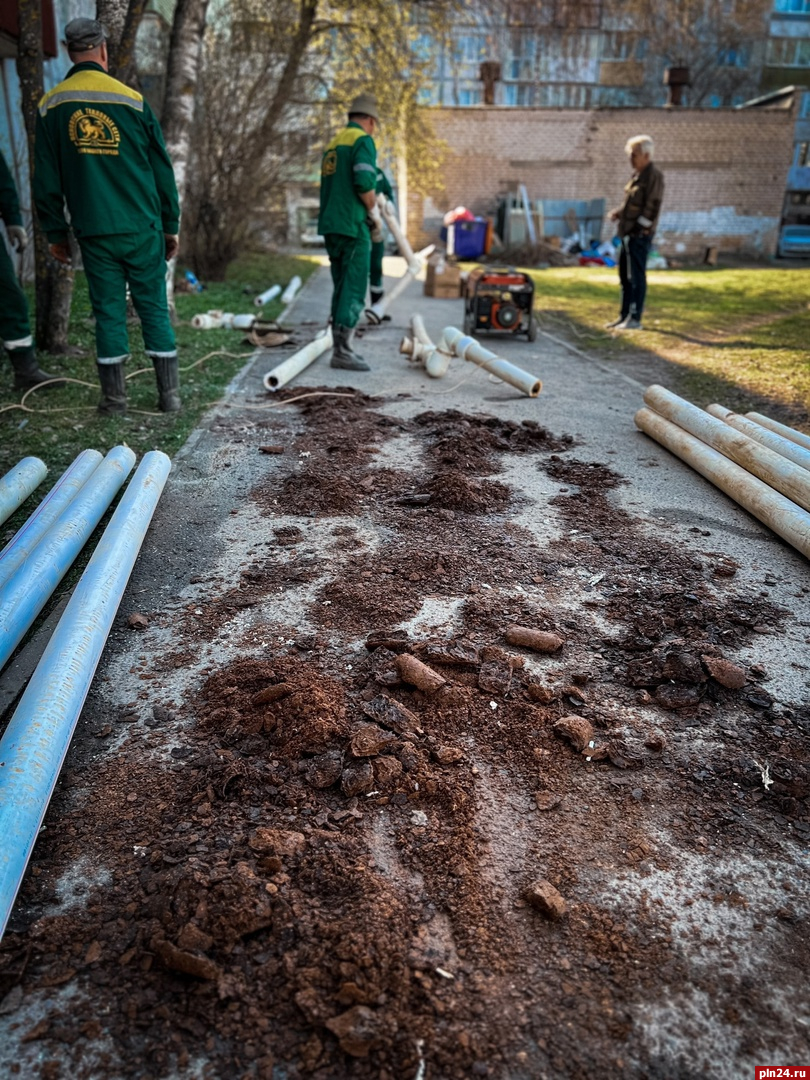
357 779
391 714
367 740
272 693
495 677
384 667
543 695
395 640
193 939
576 729
200 967
449 755
683 666
723 671
543 641
136 621
419 819
324 769
358 1030
277 841
545 898
674 696
421 676
452 652
656 742
387 770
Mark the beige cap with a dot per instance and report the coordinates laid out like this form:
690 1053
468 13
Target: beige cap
366 104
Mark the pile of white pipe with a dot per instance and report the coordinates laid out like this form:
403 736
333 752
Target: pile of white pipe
223 320
436 358
416 262
761 464
287 296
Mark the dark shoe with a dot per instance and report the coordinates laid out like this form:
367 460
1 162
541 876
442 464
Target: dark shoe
168 381
616 323
113 389
343 356
27 372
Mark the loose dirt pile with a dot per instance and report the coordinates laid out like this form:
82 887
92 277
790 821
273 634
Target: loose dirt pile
325 871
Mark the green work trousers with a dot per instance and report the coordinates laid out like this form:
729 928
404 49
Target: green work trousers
15 327
376 276
113 262
349 260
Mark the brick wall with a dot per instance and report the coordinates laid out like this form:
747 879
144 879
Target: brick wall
725 169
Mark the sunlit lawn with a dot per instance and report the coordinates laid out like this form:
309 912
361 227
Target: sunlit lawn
735 335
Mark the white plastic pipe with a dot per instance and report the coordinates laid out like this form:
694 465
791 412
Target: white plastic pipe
389 213
792 480
300 360
267 296
37 738
61 495
375 313
469 349
24 596
436 358
781 429
761 435
17 485
768 506
288 295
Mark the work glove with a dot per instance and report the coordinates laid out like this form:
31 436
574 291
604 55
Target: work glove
18 237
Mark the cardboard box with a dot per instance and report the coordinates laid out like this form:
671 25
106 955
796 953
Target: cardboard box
443 280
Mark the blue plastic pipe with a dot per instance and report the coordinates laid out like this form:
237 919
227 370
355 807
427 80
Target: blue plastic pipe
17 485
61 495
24 596
36 740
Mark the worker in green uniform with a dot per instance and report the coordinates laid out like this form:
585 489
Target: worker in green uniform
100 148
376 289
348 198
15 327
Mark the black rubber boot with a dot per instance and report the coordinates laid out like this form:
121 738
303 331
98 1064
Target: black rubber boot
113 389
27 372
343 356
376 295
167 374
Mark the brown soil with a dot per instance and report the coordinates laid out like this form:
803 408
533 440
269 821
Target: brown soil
323 872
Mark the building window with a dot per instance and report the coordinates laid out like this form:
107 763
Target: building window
521 56
736 58
792 7
788 52
470 48
518 94
802 154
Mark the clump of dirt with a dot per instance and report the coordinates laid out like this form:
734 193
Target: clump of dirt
456 439
318 492
453 490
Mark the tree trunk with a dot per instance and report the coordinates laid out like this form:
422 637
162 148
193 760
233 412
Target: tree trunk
54 283
182 73
122 62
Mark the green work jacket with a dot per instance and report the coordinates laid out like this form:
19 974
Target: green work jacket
99 146
348 169
9 203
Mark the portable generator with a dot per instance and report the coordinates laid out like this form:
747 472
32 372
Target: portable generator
499 300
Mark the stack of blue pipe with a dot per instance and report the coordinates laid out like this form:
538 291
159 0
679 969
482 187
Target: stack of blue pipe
32 564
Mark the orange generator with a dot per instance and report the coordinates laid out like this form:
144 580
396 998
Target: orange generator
500 300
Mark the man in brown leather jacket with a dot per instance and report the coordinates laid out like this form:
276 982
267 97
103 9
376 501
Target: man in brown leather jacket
636 219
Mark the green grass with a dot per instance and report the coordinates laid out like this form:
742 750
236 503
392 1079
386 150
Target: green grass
739 336
65 421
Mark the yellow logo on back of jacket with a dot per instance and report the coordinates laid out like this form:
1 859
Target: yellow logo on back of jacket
93 132
329 163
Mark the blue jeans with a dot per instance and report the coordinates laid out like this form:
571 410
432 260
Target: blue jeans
633 274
